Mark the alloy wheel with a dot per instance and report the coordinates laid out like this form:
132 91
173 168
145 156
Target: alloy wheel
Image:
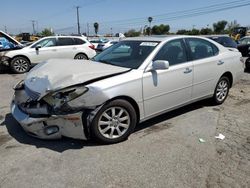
222 90
114 122
21 65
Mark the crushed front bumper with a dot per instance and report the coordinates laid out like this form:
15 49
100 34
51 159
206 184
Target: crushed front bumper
53 127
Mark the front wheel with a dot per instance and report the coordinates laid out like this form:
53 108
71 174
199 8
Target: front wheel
20 65
114 122
248 64
221 90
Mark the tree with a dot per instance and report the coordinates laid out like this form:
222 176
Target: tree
132 33
160 29
182 32
96 26
194 32
47 32
219 27
206 31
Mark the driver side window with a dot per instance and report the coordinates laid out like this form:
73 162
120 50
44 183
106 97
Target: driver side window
174 52
49 42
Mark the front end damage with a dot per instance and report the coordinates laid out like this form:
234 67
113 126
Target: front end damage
55 115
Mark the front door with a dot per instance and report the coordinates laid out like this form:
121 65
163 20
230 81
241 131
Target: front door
166 89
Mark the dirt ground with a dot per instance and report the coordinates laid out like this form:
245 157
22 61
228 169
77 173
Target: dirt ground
163 152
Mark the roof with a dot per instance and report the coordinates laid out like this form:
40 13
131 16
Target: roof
158 38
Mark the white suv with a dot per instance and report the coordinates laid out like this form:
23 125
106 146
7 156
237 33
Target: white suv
47 48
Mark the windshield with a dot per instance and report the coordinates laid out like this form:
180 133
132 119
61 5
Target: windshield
129 54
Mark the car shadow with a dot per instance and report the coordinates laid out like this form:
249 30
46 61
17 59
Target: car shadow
61 145
172 114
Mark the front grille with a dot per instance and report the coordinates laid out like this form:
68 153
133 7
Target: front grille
32 94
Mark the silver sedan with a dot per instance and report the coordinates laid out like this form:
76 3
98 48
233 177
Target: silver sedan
130 82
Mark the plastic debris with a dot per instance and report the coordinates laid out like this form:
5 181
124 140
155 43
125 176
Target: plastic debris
220 136
201 140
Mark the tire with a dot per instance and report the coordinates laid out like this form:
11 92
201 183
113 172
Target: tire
114 122
81 56
248 64
20 65
221 90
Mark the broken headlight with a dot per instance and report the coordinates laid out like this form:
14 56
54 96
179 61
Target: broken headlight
62 97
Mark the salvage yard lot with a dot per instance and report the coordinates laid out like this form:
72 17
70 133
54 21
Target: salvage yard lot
163 152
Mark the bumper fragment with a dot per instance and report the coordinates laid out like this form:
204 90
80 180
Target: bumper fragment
53 127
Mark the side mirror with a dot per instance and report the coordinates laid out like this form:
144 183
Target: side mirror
37 47
160 65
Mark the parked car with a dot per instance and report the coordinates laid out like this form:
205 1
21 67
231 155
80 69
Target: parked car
128 83
224 40
71 47
103 46
244 48
95 42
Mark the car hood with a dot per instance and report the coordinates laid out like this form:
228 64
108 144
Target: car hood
56 74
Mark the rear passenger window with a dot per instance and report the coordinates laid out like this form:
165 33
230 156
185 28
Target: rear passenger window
174 52
79 41
65 41
201 48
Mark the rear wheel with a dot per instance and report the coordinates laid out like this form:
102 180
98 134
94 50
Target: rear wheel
80 56
20 65
221 90
114 122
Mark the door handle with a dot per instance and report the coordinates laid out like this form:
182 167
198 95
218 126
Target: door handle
187 70
220 62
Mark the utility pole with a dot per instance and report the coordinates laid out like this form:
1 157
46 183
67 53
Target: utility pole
5 29
88 29
33 26
78 23
111 30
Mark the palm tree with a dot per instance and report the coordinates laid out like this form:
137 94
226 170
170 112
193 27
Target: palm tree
96 26
150 19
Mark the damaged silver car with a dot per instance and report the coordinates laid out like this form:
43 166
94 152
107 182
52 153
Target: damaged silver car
130 82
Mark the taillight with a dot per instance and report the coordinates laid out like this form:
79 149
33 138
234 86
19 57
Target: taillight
92 46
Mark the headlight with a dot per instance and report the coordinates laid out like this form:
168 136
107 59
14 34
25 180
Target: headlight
59 98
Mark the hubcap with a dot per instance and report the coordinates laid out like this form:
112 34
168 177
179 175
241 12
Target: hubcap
21 65
114 122
222 90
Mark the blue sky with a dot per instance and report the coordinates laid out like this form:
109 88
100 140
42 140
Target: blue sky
120 15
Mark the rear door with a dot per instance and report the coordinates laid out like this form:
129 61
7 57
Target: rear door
165 89
66 47
208 66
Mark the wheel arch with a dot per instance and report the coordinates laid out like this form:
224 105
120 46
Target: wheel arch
229 75
81 53
21 56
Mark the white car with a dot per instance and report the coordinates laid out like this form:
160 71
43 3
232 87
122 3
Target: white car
128 83
103 46
70 47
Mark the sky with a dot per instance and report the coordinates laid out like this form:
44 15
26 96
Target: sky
118 15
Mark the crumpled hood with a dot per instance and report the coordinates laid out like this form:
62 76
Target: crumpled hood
56 74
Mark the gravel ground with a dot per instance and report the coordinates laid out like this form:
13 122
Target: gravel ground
163 152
